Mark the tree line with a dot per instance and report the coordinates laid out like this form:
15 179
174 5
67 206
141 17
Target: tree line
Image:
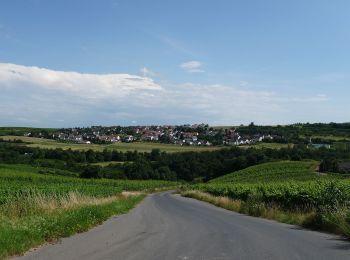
188 166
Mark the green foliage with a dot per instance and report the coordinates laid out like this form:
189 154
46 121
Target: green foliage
24 224
92 171
124 147
18 181
273 171
329 165
290 195
17 236
25 130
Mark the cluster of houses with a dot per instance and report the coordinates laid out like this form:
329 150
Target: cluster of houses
232 137
197 135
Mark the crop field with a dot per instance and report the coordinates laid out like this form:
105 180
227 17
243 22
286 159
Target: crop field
35 207
21 180
285 183
138 146
288 195
274 171
291 192
331 137
267 146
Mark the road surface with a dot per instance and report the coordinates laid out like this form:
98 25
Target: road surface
166 226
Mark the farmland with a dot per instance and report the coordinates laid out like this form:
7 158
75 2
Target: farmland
138 146
23 179
35 208
289 189
267 146
274 171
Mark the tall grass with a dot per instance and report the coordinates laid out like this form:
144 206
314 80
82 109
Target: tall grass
19 232
35 208
331 221
253 208
40 203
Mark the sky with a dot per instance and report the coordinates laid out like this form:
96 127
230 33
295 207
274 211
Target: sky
66 63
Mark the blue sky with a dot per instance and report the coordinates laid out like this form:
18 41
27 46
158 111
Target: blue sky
68 63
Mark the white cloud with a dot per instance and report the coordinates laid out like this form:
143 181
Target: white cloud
42 97
317 98
145 72
192 66
90 86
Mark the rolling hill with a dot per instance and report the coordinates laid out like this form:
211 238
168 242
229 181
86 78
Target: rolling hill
273 171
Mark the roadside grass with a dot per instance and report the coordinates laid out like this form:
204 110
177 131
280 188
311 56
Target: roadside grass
138 146
46 219
37 208
335 222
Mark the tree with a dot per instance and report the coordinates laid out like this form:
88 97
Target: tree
329 165
91 171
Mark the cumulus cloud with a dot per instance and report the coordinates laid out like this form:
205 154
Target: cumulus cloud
42 97
91 86
192 66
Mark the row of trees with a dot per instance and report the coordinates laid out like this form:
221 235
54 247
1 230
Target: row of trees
187 166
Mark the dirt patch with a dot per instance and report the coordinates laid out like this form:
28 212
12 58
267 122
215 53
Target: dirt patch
130 193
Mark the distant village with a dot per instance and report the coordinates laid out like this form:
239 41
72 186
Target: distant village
191 135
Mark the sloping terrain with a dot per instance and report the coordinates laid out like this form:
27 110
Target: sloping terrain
273 171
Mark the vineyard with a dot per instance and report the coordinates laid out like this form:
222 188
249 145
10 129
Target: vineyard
23 180
288 195
292 190
274 171
291 185
37 207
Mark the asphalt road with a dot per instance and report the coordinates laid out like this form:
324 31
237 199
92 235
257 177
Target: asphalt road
166 226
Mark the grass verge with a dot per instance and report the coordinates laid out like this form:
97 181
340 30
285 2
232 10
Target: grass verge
48 220
334 222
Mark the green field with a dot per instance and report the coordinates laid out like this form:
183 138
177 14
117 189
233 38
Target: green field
331 137
291 192
287 183
24 130
18 180
104 164
139 146
36 207
267 146
274 171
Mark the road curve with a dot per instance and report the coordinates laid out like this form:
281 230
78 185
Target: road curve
166 226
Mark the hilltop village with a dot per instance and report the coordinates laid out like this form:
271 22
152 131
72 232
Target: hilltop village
196 135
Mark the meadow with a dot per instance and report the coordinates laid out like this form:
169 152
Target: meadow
267 146
138 146
292 192
36 207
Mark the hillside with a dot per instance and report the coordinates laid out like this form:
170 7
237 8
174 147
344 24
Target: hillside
273 171
16 180
124 147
